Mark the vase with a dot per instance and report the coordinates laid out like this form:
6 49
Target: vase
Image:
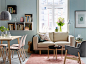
2 34
60 29
5 33
56 30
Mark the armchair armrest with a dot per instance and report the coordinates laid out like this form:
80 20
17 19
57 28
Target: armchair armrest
35 42
72 50
71 39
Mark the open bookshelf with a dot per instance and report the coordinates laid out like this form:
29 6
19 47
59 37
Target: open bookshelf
11 26
25 26
12 9
28 18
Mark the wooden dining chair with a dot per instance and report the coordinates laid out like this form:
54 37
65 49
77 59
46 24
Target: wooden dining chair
2 52
22 50
18 49
23 43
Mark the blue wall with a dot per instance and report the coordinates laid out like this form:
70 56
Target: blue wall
30 7
77 5
0 5
23 7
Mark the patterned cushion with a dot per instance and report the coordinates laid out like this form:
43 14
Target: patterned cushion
45 37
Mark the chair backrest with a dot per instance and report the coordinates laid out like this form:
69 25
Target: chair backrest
72 50
83 49
24 40
20 42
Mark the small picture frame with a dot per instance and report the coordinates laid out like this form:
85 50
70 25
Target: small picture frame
80 19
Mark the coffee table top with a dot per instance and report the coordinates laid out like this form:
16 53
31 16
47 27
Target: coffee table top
54 47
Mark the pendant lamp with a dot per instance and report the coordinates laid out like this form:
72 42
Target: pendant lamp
5 15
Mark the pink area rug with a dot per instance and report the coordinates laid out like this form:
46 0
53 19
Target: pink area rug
43 59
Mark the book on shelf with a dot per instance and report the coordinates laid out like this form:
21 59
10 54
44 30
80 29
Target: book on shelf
10 26
28 18
10 9
20 27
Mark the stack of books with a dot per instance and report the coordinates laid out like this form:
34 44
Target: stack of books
10 9
10 26
20 27
28 18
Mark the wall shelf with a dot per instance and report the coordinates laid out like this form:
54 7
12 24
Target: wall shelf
22 26
12 9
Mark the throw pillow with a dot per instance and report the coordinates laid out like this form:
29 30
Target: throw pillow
45 37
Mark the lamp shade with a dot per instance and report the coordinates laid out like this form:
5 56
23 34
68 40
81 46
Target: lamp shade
5 15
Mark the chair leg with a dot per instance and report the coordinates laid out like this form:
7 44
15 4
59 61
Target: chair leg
65 56
19 57
79 57
24 52
12 53
3 54
6 51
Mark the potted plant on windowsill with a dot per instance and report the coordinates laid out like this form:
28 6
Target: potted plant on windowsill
60 23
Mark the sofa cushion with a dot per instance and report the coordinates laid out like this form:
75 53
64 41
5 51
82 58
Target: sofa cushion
45 44
63 43
60 36
45 36
51 36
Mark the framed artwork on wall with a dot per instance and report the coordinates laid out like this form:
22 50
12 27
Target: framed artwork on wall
80 19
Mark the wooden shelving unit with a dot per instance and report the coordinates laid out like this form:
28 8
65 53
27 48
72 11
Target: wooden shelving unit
11 26
25 26
12 9
28 18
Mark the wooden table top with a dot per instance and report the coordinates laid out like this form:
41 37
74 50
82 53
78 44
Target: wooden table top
9 38
78 41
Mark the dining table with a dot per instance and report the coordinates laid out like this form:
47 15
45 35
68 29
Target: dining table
8 39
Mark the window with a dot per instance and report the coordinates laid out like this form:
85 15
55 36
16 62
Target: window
49 12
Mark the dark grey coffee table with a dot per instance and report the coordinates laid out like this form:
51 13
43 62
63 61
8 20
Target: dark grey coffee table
55 48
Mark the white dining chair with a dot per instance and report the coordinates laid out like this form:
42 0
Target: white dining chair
18 49
22 50
23 46
2 52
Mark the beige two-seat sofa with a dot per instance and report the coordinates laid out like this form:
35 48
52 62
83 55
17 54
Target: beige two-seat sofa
59 38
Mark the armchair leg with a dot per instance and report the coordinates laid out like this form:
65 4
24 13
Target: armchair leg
79 57
39 51
65 56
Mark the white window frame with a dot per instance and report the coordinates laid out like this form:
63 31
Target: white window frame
67 15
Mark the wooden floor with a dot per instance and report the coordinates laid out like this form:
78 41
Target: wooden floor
15 60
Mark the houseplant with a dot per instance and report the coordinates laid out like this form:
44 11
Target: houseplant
3 29
60 23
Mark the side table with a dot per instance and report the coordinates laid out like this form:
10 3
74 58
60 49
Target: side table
77 42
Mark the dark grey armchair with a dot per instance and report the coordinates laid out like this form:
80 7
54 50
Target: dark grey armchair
74 50
77 51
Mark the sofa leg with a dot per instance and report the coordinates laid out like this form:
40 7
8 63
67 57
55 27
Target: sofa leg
39 51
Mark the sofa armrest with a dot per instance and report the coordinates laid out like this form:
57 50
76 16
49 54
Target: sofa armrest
71 39
35 42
